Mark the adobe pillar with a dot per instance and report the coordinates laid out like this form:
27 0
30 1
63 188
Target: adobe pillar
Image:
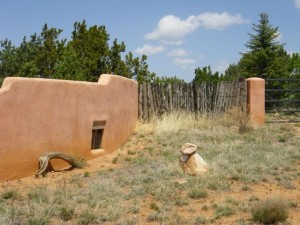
256 100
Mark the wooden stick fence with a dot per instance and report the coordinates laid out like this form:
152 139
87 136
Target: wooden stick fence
205 99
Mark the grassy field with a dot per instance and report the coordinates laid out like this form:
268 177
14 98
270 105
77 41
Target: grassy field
251 169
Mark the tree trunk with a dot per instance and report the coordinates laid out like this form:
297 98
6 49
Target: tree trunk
44 161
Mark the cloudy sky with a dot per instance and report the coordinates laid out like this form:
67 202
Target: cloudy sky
177 35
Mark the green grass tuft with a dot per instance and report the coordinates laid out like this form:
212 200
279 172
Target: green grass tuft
197 194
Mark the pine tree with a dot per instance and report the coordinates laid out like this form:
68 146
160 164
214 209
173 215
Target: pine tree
69 67
85 57
48 51
92 49
266 57
8 57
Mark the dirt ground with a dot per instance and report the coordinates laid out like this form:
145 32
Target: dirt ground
259 191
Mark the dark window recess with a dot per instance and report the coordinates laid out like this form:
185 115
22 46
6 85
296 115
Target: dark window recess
97 133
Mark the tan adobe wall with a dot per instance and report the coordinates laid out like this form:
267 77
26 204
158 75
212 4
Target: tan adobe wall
41 115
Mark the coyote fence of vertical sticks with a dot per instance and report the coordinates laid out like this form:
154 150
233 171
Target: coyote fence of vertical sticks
208 98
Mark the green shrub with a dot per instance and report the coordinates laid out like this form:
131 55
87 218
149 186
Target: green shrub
270 211
79 162
115 160
246 188
131 152
200 220
66 213
38 221
87 217
281 139
154 206
196 194
154 217
38 195
86 174
135 209
181 202
224 211
9 193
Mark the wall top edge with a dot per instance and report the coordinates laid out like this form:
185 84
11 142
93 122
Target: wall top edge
104 79
255 78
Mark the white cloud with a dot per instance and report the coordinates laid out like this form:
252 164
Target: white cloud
297 3
219 21
171 29
171 42
179 52
149 50
185 63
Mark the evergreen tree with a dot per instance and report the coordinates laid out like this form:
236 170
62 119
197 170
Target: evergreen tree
91 47
26 56
137 68
33 58
294 69
205 74
48 51
294 66
169 80
266 58
232 72
143 74
68 67
85 57
265 37
115 59
8 60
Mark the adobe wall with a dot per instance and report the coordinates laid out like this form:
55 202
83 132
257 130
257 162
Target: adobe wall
41 115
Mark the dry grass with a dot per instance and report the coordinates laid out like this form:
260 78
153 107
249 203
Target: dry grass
173 123
144 189
237 118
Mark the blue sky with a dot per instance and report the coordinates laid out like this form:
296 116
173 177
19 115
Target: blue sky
177 35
